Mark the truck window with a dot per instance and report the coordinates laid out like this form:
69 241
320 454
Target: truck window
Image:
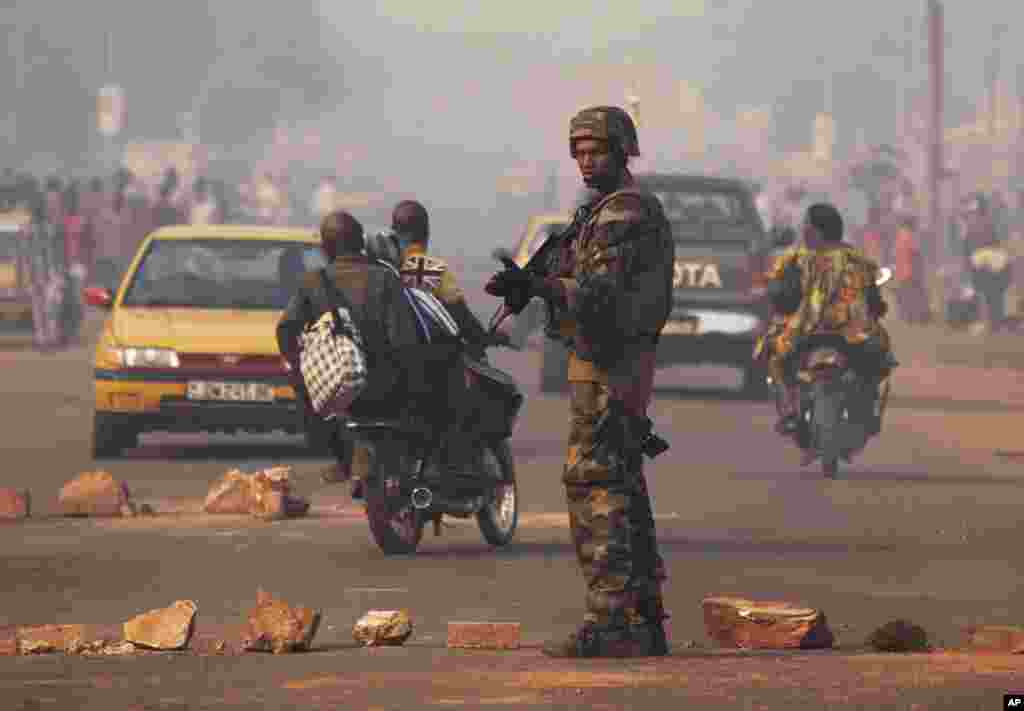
699 207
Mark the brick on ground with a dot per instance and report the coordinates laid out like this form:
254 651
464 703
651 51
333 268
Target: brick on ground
483 635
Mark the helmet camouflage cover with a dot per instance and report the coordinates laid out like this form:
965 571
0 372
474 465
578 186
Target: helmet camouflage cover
604 123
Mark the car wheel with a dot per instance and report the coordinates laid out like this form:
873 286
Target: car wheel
554 368
109 439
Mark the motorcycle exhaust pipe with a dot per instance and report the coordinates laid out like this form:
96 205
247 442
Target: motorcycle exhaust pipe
422 497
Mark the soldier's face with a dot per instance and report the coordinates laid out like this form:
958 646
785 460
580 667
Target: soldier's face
595 161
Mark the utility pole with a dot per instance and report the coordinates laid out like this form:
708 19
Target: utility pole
993 66
17 54
936 154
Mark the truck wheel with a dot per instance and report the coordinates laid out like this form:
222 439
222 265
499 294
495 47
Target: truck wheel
554 368
110 440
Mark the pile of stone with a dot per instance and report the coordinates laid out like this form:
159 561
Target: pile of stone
166 629
272 625
266 494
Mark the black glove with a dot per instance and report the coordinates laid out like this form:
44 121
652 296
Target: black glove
515 285
509 283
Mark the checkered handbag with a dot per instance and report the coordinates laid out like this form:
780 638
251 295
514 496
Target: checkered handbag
332 359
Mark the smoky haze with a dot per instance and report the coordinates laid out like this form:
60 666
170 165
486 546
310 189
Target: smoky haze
440 99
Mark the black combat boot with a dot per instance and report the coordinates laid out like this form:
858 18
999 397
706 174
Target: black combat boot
595 640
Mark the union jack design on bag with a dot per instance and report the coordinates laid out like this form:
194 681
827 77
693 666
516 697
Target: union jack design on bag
332 359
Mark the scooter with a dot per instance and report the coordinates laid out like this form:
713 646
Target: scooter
407 485
841 408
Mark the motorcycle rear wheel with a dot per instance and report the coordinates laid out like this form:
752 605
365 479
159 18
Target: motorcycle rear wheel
827 421
396 526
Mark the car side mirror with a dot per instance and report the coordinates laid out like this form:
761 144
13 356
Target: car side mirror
98 296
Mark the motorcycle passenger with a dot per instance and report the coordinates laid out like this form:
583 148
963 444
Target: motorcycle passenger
411 224
609 290
386 248
379 310
823 286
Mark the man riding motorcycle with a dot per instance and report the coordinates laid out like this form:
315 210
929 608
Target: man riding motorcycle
381 314
824 286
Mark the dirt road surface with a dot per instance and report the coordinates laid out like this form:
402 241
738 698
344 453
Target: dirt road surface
924 526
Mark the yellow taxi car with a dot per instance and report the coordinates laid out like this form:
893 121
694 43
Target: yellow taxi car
15 299
189 344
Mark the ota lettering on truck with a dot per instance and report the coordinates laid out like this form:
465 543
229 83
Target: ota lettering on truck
695 274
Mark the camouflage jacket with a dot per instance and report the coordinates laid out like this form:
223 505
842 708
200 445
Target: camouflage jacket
613 282
839 296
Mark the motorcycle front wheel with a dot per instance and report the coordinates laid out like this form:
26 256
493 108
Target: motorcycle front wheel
500 515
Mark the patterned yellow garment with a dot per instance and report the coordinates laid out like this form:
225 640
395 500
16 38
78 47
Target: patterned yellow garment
834 283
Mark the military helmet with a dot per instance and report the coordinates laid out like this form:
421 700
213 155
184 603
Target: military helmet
604 123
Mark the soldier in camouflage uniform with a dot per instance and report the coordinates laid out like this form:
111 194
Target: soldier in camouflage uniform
823 286
609 295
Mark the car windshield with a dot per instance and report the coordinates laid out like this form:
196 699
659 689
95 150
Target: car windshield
692 207
221 274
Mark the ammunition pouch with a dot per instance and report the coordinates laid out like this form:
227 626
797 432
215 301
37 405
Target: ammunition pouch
630 435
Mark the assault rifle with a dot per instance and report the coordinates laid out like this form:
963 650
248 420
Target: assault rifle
540 263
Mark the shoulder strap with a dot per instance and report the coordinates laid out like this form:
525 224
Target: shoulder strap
336 299
618 193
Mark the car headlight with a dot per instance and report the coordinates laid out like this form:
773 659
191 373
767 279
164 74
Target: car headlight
149 358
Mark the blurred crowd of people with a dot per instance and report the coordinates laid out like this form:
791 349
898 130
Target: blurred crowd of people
83 232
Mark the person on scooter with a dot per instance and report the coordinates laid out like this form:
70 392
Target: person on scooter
410 223
380 311
823 286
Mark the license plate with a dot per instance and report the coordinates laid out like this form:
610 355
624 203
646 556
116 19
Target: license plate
729 323
230 392
684 327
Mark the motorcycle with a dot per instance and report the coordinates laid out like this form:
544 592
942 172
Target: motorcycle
407 485
841 408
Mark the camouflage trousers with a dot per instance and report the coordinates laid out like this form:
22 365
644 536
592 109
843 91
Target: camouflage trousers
610 518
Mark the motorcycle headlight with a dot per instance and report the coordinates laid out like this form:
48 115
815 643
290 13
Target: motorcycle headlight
149 358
